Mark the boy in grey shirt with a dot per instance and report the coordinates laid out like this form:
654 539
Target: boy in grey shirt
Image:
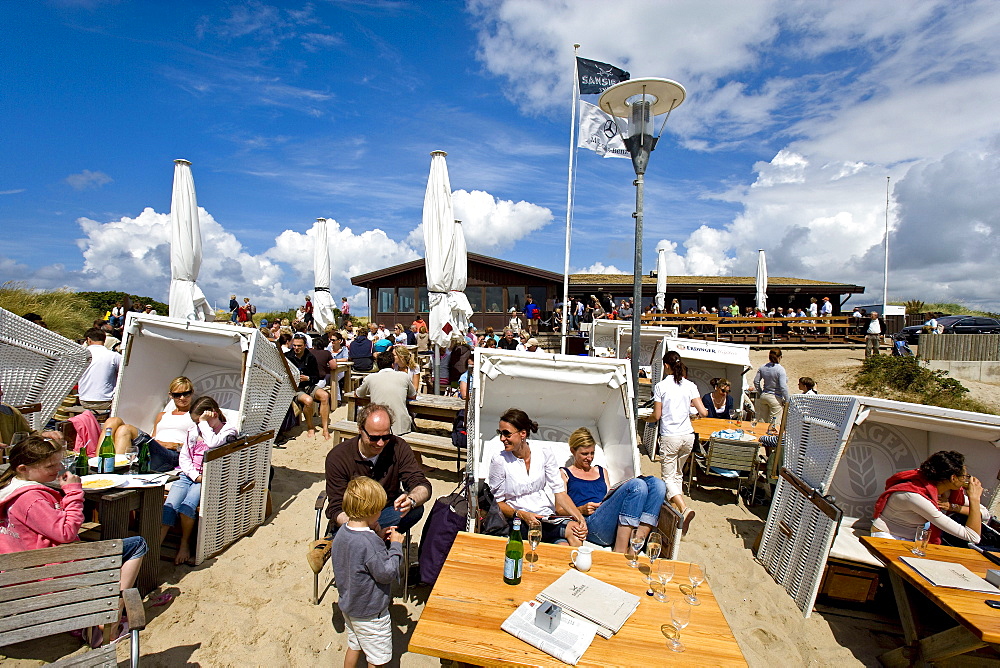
364 571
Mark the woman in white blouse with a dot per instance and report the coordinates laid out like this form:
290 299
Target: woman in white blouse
525 481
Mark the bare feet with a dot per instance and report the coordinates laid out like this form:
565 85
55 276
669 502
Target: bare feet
183 555
326 434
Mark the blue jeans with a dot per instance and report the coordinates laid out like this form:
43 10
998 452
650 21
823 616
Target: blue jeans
183 498
636 501
133 547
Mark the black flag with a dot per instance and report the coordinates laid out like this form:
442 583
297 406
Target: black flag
596 77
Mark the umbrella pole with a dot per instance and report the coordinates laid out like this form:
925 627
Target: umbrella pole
437 369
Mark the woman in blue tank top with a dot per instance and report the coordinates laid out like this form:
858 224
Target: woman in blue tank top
610 521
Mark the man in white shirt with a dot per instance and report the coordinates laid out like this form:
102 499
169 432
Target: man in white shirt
390 388
97 384
873 335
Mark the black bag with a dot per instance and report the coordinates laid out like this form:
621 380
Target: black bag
362 353
446 519
459 437
493 522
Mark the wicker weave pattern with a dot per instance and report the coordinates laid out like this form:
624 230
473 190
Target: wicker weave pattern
37 365
815 435
651 430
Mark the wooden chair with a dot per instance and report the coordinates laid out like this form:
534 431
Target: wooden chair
730 459
65 588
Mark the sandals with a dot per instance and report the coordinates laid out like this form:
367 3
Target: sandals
688 516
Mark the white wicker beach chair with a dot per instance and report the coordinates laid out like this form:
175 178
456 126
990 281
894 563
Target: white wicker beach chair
37 366
249 378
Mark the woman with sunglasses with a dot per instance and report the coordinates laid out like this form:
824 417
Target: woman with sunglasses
170 429
719 402
913 498
525 481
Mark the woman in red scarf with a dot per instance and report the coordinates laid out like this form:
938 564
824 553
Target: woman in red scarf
913 498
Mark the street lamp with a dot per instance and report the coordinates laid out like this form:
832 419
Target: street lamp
637 103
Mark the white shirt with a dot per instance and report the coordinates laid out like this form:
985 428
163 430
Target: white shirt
905 511
531 491
100 377
675 405
812 309
827 308
874 327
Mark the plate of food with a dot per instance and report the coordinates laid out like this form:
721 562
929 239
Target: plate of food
102 481
121 461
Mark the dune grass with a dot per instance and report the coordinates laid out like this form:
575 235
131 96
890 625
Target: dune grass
906 379
63 311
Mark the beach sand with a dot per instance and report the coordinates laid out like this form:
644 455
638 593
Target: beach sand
250 605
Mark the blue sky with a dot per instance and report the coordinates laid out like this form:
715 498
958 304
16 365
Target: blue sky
796 114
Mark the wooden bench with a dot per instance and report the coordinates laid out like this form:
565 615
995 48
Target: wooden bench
65 588
428 444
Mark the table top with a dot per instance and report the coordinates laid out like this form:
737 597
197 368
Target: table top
705 427
965 607
462 617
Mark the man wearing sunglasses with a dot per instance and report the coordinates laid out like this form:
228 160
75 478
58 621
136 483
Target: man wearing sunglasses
388 459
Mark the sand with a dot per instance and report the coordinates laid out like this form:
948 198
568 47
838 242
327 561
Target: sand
250 606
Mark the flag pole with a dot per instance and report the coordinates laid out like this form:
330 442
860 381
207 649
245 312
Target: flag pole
569 201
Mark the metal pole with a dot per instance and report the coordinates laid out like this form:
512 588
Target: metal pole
885 279
637 292
437 369
569 203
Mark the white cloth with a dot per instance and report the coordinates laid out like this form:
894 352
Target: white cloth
827 308
874 327
186 300
674 453
323 305
905 511
173 428
101 376
675 405
372 636
531 491
391 388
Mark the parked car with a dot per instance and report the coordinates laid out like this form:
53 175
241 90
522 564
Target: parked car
955 324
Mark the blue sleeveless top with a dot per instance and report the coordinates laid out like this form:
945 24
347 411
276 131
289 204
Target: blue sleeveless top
585 491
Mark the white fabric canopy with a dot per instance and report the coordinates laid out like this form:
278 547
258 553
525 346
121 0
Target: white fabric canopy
444 257
187 301
323 305
761 281
661 278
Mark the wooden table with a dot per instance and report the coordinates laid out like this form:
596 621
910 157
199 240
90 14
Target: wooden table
113 509
462 617
705 427
978 624
433 406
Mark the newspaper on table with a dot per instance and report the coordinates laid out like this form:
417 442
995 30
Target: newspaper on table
567 643
947 574
586 597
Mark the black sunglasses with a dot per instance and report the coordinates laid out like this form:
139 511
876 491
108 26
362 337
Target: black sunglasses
505 433
378 438
178 395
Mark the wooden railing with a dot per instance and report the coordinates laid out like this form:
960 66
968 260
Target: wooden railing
760 330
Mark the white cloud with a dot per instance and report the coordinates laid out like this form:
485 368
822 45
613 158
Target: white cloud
601 268
12 192
88 180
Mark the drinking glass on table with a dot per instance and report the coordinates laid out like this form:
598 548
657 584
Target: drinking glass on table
696 575
631 555
534 538
636 540
739 417
921 537
653 547
680 617
664 574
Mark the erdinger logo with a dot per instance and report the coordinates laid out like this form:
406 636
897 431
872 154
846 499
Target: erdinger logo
223 385
547 433
874 453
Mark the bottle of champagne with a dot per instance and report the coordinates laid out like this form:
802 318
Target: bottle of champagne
514 555
143 463
106 454
82 465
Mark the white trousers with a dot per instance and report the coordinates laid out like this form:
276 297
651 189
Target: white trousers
674 452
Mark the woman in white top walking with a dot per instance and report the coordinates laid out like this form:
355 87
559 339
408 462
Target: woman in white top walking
673 399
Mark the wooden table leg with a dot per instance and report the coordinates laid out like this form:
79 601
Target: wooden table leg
150 519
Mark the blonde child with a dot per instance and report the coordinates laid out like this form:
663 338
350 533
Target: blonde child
34 516
364 571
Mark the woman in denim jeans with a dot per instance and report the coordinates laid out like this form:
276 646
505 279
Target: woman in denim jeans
634 504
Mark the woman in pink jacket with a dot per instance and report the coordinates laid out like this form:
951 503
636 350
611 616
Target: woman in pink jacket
34 516
209 431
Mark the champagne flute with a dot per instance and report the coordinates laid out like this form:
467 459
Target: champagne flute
653 547
631 555
680 616
739 418
664 574
696 575
534 538
636 540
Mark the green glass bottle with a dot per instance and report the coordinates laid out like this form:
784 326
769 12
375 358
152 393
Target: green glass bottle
82 465
106 454
143 463
514 555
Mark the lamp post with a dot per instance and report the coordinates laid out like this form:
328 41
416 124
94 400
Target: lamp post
637 103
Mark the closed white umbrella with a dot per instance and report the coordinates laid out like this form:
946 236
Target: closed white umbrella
661 279
761 281
323 305
187 301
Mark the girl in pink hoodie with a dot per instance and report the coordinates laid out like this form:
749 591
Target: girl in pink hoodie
34 516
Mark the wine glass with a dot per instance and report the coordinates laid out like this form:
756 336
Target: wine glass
631 555
696 575
739 417
636 540
534 538
653 547
680 616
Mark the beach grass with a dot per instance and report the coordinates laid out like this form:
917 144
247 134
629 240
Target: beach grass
906 379
65 312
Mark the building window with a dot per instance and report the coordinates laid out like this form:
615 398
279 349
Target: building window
494 300
538 294
689 305
515 299
406 300
726 302
423 301
475 296
386 300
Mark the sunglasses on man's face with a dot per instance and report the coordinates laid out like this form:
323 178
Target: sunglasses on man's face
178 395
376 438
